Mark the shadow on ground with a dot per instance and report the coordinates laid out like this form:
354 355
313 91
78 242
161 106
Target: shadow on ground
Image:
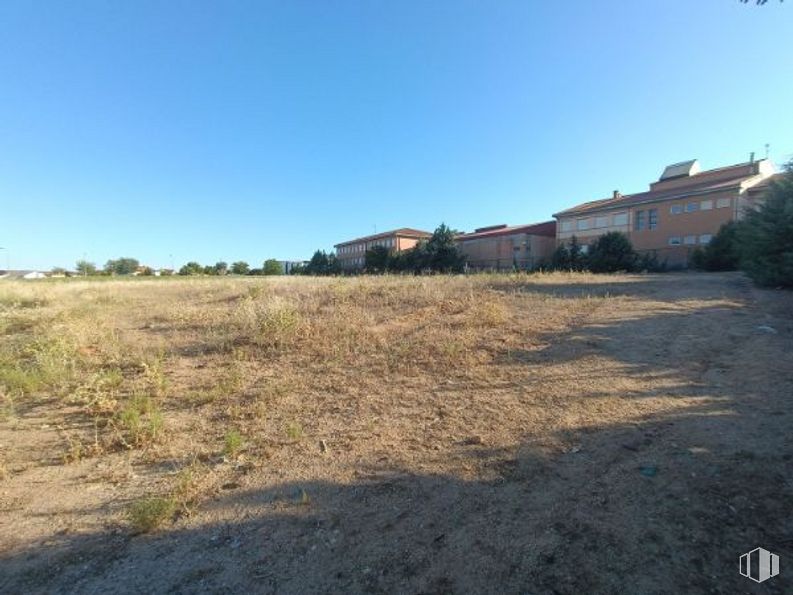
665 504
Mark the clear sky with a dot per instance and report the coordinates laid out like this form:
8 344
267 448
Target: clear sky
233 130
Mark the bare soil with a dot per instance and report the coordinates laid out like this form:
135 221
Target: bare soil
548 434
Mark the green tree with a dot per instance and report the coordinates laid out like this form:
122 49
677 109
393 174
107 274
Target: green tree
191 268
560 259
122 266
272 267
377 259
766 235
322 263
578 260
221 268
612 252
441 253
85 268
569 257
723 253
240 268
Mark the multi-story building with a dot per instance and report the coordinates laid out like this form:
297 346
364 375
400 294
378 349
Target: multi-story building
503 248
682 210
352 254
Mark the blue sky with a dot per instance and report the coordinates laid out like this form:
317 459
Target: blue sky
250 130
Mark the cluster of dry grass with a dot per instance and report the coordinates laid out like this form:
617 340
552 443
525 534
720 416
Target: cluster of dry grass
221 376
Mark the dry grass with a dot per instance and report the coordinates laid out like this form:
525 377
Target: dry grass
388 367
421 434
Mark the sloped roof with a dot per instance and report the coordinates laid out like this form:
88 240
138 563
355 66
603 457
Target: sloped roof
405 232
763 186
698 185
684 168
547 228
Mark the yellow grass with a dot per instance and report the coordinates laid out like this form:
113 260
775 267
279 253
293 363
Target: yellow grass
182 369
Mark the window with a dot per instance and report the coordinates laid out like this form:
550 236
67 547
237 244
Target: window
674 241
676 209
705 205
692 207
723 202
689 240
705 238
652 219
601 221
621 219
567 225
583 224
640 222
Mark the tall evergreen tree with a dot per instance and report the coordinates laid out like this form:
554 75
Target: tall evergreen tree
766 236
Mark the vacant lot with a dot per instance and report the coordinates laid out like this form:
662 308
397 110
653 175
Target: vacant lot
544 434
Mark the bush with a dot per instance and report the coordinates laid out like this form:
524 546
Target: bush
612 252
723 253
569 257
765 237
149 513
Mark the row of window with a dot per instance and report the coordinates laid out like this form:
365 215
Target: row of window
702 205
644 219
358 261
596 222
691 240
387 243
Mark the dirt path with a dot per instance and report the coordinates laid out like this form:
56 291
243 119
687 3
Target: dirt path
641 449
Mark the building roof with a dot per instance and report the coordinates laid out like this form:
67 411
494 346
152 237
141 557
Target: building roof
547 228
763 186
19 274
678 170
404 232
700 183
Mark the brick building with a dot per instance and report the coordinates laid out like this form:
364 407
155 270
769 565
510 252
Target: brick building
504 248
682 210
352 254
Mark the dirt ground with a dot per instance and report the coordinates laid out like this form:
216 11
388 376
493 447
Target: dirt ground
497 434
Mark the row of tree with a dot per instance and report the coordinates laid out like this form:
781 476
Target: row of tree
129 266
270 267
609 253
438 254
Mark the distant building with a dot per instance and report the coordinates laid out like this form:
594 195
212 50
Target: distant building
682 210
505 248
287 266
26 274
352 254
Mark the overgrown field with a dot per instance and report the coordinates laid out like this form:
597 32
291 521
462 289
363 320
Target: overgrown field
401 434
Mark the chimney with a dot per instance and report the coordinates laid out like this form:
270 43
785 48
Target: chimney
617 194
